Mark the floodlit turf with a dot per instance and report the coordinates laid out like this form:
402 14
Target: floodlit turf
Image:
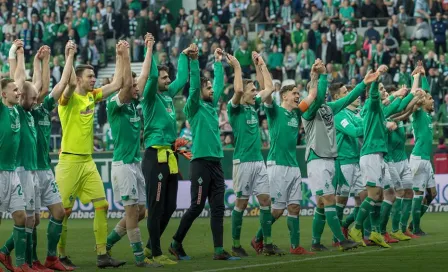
425 254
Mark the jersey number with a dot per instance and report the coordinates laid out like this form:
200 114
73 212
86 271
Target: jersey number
19 190
55 187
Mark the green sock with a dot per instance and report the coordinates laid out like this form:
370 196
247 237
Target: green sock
405 213
259 235
424 209
9 245
35 245
367 226
350 218
114 236
174 244
318 225
137 249
375 217
53 234
237 222
29 246
340 212
416 212
20 244
386 206
219 250
266 220
364 212
396 214
333 222
294 230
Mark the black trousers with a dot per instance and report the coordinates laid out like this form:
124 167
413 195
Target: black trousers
161 197
207 181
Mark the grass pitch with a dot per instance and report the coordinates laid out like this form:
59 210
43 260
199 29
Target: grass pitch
428 253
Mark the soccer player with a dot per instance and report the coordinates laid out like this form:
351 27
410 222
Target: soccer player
321 152
349 134
76 172
249 170
424 185
373 167
127 177
282 165
11 192
207 177
159 165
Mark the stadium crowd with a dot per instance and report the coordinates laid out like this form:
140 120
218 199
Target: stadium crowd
349 36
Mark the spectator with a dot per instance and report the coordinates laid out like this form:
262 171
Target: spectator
372 32
272 10
314 36
224 11
390 43
435 83
443 68
442 117
264 133
99 29
275 63
182 17
93 56
253 11
153 26
100 8
179 40
98 145
237 5
290 63
56 72
208 12
29 10
305 14
350 39
111 22
237 39
431 60
305 58
131 32
91 10
403 17
298 36
239 22
325 51
244 57
164 17
346 12
12 28
439 28
380 57
82 26
369 11
402 77
352 69
197 24
174 58
336 40
286 13
421 9
185 133
393 30
37 30
422 31
221 36
26 35
228 141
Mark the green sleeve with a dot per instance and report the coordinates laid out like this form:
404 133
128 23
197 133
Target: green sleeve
181 76
374 95
405 102
150 90
49 104
232 109
112 106
344 125
392 107
391 98
320 99
218 82
192 105
342 103
425 84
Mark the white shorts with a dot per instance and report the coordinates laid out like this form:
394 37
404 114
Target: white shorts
354 186
250 178
49 191
422 173
11 192
29 182
400 174
374 171
128 183
285 184
320 176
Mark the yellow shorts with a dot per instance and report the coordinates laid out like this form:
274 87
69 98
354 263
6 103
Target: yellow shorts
77 176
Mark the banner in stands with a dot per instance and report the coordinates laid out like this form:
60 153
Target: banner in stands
116 210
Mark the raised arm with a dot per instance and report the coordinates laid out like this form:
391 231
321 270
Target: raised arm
259 72
345 126
12 58
37 70
392 108
46 52
182 73
237 79
143 78
218 82
317 89
192 105
268 86
68 77
19 75
126 93
117 82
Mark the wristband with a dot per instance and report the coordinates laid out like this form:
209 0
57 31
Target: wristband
12 51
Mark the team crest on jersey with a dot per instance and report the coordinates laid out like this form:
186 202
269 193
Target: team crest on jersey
293 122
200 181
45 121
253 120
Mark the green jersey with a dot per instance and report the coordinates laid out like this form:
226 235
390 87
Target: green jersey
28 141
203 116
348 130
374 124
125 125
396 144
9 137
159 115
42 118
350 39
284 128
422 125
246 130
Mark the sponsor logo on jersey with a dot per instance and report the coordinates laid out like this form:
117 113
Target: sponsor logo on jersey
252 121
134 119
293 122
44 122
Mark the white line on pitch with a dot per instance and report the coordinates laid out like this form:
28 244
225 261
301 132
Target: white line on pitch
317 258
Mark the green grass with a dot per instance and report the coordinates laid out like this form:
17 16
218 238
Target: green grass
427 253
